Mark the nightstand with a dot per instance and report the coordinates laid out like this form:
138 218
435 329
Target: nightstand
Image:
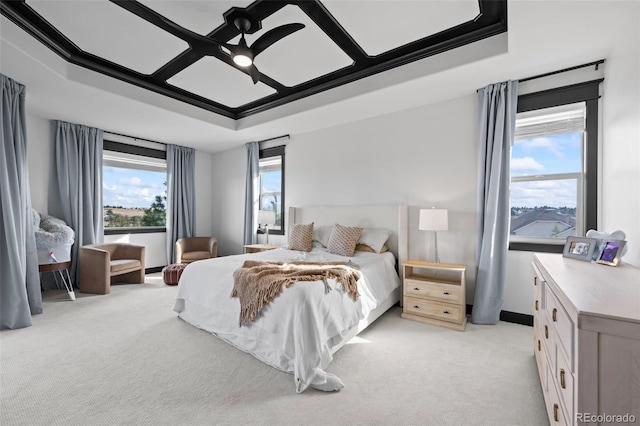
434 293
257 248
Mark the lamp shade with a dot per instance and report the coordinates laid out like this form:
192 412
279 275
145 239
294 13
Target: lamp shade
433 220
266 217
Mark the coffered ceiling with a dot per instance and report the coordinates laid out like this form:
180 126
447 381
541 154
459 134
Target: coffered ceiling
180 49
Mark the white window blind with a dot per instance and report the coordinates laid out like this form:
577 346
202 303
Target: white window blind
554 121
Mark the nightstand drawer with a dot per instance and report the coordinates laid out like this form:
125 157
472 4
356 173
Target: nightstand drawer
434 291
437 310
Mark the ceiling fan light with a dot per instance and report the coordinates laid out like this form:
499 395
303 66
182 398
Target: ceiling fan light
242 60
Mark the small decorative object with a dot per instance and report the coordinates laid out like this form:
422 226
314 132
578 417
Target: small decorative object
580 248
603 237
611 252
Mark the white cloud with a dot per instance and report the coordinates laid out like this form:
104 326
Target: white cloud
526 164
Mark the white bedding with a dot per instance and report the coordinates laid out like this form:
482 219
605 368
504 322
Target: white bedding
296 331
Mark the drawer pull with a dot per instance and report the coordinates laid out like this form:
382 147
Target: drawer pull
535 280
539 346
546 332
536 305
446 293
416 289
445 312
555 412
416 307
554 315
563 383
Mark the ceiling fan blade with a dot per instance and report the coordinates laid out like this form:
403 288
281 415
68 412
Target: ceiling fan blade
272 36
254 73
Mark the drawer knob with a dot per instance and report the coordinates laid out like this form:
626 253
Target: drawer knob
563 384
536 305
445 312
416 289
546 332
555 412
416 307
554 315
446 293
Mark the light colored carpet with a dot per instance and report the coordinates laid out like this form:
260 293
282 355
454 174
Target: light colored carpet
126 359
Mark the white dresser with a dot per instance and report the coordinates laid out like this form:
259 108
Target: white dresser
587 340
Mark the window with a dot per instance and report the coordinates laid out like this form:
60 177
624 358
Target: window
553 191
272 185
134 189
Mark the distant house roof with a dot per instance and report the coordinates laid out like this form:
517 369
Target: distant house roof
543 229
542 223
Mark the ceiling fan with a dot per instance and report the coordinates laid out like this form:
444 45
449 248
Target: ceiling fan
243 55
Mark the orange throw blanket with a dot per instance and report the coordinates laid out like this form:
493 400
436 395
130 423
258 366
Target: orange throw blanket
258 283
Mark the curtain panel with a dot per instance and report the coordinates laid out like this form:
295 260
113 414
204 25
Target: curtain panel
252 193
20 295
181 196
75 186
497 119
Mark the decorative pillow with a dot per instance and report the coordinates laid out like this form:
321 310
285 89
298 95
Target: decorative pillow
364 247
374 238
343 240
301 237
322 233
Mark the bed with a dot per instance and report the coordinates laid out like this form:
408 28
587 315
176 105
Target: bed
299 331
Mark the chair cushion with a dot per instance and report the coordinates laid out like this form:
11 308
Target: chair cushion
171 274
124 265
192 256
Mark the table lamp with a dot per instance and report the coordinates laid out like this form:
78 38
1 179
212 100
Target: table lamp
434 220
266 218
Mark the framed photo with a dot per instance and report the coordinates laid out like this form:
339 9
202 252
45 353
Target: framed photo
610 253
580 248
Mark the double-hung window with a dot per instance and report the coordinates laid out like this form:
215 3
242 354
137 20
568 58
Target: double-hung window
272 185
134 189
553 191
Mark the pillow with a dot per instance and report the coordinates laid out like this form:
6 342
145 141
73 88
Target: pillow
343 240
364 247
301 237
374 238
322 233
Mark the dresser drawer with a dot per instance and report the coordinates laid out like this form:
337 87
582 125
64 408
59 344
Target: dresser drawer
541 360
564 380
561 323
554 407
435 291
436 310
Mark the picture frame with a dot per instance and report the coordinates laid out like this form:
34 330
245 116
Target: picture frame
580 248
610 252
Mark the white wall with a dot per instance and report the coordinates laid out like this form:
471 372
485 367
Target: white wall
39 157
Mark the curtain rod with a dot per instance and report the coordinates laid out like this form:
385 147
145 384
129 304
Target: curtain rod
596 63
274 138
133 137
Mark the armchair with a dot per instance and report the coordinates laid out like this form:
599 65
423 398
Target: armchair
191 249
102 264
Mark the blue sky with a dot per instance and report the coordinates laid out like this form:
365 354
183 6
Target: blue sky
130 187
541 156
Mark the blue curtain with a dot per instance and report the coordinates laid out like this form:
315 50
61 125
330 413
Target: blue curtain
497 119
20 295
252 193
181 196
75 188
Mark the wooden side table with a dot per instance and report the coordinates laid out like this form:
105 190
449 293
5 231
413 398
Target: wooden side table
434 293
59 267
257 248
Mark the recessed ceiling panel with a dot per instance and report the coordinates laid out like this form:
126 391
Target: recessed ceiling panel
201 17
106 30
379 26
220 82
301 56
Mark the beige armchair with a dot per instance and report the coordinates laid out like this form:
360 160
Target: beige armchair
191 249
103 264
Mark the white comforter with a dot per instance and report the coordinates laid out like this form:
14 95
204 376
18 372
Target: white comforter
295 332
